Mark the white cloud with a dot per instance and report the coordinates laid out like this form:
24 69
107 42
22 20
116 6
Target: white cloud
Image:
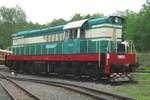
43 11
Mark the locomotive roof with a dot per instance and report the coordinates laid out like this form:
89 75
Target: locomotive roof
75 24
49 30
60 28
98 21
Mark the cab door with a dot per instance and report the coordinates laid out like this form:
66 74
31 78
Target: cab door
71 41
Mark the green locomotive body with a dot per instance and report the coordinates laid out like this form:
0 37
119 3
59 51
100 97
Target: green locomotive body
92 36
89 47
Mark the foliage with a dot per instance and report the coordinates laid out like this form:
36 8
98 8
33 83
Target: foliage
137 27
9 17
75 17
13 20
144 61
56 22
144 27
12 15
78 16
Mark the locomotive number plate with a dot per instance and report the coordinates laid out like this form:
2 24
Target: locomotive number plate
121 56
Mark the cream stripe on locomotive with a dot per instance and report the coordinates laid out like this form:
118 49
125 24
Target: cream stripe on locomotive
97 31
107 25
104 32
38 39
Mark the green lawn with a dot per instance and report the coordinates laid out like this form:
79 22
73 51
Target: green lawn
139 91
144 61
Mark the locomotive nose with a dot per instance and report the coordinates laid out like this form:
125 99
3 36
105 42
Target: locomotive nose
120 62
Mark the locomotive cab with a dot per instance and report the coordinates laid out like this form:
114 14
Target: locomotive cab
123 61
72 32
126 47
123 47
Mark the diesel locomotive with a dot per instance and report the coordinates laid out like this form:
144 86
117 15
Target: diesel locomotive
90 47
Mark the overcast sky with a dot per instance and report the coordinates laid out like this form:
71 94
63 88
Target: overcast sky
43 11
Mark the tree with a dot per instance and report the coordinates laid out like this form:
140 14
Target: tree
137 27
9 17
56 22
77 16
97 15
144 27
12 15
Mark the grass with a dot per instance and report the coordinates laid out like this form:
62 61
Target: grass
139 91
144 61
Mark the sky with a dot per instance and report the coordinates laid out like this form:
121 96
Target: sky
44 11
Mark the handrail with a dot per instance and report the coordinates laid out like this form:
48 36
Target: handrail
131 46
108 46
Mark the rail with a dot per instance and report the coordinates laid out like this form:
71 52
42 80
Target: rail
99 95
9 93
19 87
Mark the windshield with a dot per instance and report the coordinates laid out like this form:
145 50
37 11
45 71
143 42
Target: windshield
121 48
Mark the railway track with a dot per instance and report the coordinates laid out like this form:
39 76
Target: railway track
3 94
96 94
16 91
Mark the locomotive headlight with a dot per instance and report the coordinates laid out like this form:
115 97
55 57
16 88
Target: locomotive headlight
108 56
121 56
116 19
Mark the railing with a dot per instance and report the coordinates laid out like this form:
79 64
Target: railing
131 47
110 46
